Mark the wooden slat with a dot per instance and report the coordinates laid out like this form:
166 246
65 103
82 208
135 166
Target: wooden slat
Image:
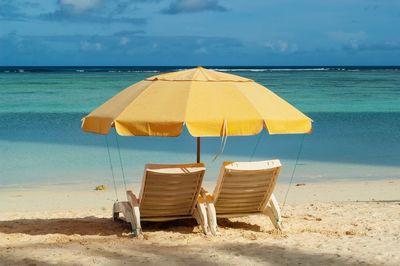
170 211
166 218
168 187
247 183
166 192
256 200
244 190
170 193
235 214
249 176
186 178
166 200
237 204
256 188
244 184
166 205
238 210
168 196
241 196
160 213
170 183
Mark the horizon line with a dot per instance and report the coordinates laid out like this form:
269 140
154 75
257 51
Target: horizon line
235 66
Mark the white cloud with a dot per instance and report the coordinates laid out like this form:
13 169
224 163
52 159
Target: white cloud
93 11
80 5
124 40
281 46
193 6
348 40
200 50
91 46
98 46
354 44
343 36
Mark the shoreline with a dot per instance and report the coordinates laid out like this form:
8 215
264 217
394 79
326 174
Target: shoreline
84 196
81 185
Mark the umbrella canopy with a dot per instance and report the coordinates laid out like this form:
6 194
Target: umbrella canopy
209 103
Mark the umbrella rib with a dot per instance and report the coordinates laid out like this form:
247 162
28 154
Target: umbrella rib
187 104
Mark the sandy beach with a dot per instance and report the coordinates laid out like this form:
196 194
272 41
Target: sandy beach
336 223
99 97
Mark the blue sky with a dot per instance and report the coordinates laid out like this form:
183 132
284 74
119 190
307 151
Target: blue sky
199 32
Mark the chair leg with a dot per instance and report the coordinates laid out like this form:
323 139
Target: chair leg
212 218
200 214
133 203
131 214
135 222
273 211
116 211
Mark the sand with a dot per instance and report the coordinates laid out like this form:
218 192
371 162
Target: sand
337 223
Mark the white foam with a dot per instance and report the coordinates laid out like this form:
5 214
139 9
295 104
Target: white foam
270 69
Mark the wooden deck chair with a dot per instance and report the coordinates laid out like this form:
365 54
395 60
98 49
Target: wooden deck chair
168 192
244 188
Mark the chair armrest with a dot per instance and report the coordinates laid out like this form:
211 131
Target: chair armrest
206 196
133 200
211 213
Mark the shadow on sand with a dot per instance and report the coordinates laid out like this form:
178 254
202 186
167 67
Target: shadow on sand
91 226
107 227
121 248
132 252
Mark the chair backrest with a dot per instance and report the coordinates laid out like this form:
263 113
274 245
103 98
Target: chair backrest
245 187
170 189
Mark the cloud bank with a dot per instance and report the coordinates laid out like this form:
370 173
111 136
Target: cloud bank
94 11
75 11
193 6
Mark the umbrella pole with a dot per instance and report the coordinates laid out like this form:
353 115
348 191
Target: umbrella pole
198 149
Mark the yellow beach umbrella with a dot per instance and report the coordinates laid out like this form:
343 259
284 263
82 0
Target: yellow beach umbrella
207 102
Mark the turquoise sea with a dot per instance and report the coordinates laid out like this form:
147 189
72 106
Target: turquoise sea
356 113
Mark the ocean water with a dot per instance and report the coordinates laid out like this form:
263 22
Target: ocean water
356 113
